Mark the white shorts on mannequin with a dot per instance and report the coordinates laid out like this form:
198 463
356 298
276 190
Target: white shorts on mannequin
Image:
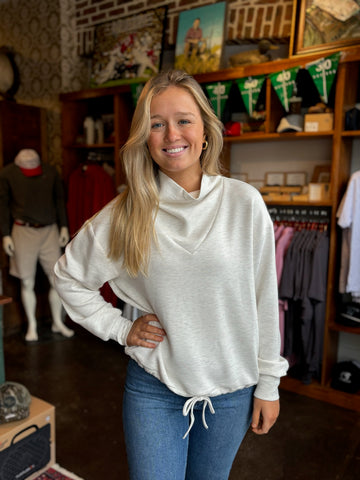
33 245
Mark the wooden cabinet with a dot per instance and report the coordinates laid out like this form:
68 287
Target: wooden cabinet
114 104
118 100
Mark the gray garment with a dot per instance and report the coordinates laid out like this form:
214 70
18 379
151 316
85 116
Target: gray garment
37 200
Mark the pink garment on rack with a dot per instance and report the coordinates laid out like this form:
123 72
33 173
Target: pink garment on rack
282 244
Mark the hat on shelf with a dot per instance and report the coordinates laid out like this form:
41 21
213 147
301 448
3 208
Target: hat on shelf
29 162
291 123
346 376
15 402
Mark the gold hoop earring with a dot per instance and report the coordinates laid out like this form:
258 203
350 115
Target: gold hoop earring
205 145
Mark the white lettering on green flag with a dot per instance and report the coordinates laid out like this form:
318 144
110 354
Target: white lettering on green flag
283 83
250 88
136 89
218 94
323 72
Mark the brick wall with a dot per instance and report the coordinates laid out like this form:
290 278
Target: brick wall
246 19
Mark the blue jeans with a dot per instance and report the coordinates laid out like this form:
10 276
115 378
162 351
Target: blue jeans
154 427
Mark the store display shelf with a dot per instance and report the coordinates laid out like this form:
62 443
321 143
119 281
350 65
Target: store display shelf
263 137
351 133
322 392
337 327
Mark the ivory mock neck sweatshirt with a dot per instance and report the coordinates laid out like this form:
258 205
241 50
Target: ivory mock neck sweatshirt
211 283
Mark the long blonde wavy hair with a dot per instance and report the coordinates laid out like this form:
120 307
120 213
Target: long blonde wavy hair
132 229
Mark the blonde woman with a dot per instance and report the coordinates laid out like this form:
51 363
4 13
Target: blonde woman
193 251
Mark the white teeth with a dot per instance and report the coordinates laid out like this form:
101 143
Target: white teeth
175 150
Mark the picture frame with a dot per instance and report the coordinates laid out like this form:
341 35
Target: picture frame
274 179
324 25
129 49
321 174
200 39
295 179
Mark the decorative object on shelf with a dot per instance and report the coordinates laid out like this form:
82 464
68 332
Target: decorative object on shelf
274 178
291 123
250 88
293 179
259 54
321 174
284 83
128 49
324 25
323 72
218 93
200 37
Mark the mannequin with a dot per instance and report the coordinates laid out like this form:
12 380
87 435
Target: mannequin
32 210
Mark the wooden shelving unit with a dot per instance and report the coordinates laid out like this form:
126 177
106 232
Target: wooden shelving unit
117 100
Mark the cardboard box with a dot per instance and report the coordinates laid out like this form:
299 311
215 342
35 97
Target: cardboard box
318 122
27 447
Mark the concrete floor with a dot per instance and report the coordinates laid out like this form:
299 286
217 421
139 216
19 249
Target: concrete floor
84 376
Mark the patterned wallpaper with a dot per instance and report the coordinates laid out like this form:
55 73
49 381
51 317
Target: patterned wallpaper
41 34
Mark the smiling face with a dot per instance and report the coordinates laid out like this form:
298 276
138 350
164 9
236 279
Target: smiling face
176 136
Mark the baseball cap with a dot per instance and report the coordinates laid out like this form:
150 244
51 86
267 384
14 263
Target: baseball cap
15 402
346 376
29 162
291 123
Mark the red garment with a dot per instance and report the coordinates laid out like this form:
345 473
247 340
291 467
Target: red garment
90 189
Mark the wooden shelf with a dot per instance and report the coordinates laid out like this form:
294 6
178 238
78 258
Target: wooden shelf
338 327
324 393
264 137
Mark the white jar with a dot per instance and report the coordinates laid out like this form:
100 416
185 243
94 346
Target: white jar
89 130
99 131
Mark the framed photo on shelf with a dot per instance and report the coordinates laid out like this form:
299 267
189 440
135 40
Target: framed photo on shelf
128 50
274 179
320 25
200 38
294 179
321 174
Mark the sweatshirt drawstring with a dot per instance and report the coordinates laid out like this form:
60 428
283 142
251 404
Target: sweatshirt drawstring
189 407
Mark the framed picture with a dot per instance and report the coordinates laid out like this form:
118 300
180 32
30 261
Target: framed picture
321 25
274 178
128 49
321 174
294 179
200 37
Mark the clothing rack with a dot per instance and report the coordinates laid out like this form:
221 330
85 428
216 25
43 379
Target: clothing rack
300 213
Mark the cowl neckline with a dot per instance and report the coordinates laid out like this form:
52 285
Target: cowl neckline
186 220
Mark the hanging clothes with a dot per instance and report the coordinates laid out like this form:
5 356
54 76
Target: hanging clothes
302 248
349 220
90 189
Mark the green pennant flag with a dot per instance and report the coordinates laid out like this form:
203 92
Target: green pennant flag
218 94
283 83
136 89
250 88
323 73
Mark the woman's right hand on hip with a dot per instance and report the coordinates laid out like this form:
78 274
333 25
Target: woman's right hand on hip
143 333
